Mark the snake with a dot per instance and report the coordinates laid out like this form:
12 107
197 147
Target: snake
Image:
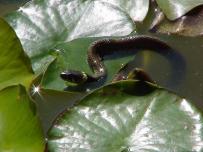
107 46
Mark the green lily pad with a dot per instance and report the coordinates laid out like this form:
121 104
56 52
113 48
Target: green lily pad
128 116
174 9
51 102
73 55
20 130
15 66
42 24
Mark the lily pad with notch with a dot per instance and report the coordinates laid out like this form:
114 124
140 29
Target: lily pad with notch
62 21
128 116
116 58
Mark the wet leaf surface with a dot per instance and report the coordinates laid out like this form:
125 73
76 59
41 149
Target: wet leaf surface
20 129
128 116
73 56
50 103
41 25
15 66
174 9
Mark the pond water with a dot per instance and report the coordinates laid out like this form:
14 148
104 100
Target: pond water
185 77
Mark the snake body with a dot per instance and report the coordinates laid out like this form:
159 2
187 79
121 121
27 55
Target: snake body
101 48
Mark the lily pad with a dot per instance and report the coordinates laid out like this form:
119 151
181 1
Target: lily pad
73 55
188 25
174 9
50 102
128 116
20 129
15 66
42 24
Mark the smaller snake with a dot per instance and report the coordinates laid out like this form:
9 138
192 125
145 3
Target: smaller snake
101 48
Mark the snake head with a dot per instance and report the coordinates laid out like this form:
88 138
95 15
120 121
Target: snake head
74 77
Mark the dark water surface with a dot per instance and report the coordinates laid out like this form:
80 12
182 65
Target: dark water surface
182 72
10 5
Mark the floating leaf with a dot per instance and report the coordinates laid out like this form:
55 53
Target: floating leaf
188 25
15 66
50 102
41 25
174 9
20 130
73 55
128 116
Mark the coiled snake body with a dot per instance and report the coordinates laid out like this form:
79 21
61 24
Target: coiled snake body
101 48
